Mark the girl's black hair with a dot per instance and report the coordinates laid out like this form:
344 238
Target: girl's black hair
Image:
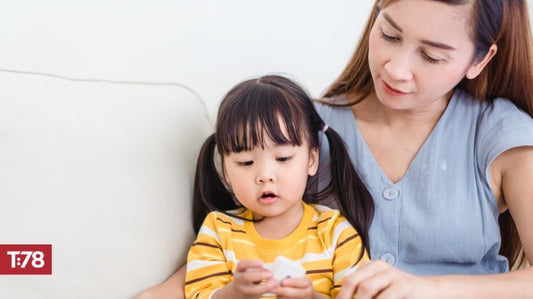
265 105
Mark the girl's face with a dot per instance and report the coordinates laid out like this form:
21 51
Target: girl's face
271 181
418 51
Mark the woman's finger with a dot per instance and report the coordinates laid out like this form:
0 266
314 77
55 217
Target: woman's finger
374 285
351 282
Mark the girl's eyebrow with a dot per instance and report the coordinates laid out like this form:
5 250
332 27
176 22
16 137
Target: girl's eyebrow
424 41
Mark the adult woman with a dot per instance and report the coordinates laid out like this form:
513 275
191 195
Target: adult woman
406 100
440 163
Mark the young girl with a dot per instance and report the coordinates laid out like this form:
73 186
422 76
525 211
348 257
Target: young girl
267 136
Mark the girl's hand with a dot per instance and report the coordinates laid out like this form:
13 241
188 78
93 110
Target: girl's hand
250 281
377 279
301 287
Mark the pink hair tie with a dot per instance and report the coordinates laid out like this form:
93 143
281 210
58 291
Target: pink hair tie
325 128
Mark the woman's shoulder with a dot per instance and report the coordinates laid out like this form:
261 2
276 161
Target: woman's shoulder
331 102
490 110
500 125
499 113
333 107
501 116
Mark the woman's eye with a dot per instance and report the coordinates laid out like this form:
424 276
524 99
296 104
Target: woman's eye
430 59
284 159
389 38
245 163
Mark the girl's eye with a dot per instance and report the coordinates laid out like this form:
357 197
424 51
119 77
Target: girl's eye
430 59
284 159
245 163
389 38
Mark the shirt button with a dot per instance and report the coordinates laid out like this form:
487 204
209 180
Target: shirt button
388 258
390 193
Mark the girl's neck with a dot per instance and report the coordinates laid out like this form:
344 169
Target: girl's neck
281 226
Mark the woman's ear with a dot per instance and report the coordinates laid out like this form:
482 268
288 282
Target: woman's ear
475 69
313 162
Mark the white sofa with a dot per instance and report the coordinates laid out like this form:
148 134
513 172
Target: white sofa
103 171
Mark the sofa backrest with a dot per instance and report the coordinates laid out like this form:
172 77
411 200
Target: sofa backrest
103 171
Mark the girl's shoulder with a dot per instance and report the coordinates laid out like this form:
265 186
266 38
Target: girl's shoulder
331 226
327 218
230 218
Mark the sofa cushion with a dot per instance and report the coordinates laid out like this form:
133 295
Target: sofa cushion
103 171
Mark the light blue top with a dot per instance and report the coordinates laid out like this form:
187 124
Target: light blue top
441 217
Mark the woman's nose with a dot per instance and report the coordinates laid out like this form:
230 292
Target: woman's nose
399 67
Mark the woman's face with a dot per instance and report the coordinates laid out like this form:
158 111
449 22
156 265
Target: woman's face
418 51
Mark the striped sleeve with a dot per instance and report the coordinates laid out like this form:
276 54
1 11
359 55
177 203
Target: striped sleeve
347 246
207 269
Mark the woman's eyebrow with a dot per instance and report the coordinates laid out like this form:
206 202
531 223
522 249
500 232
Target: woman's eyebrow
391 22
424 41
438 45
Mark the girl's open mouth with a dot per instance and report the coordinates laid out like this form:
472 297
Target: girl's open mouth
268 197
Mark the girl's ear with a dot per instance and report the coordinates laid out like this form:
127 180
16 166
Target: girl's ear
475 69
313 162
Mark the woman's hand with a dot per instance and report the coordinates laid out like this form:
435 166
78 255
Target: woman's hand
250 280
301 287
172 288
377 279
162 291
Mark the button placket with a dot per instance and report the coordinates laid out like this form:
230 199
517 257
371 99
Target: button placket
390 193
388 258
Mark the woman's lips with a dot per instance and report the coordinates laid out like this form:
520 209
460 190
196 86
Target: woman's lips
389 90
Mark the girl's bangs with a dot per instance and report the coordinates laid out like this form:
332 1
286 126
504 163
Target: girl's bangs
253 122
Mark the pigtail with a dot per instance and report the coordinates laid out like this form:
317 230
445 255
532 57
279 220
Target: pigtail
352 197
210 193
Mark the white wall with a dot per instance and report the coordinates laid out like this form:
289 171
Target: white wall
206 44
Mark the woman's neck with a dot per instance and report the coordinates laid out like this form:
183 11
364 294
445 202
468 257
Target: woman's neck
372 110
394 137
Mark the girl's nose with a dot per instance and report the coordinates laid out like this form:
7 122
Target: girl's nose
264 178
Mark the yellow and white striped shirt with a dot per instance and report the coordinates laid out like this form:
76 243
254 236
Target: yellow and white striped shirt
324 243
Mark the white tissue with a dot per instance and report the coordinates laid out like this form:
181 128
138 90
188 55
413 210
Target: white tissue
283 268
